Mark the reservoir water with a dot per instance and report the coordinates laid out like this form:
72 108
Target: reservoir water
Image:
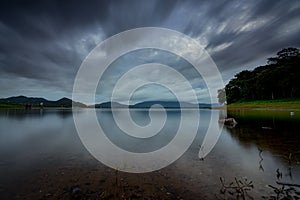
42 156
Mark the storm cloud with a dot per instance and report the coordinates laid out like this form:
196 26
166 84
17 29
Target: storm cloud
43 43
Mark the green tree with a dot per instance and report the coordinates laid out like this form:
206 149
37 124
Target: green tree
278 79
285 56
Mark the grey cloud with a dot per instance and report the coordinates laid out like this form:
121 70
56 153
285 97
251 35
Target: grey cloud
42 43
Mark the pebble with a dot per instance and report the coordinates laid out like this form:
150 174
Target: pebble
76 192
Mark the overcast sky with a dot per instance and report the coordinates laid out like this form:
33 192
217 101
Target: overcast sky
43 43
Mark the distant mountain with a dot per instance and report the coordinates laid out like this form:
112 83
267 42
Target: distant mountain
169 104
148 104
65 102
35 101
109 105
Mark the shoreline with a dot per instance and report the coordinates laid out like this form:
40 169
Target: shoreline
281 104
256 108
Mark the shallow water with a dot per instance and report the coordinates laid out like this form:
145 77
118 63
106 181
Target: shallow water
41 156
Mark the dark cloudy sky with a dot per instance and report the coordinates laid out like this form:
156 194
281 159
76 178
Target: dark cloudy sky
42 43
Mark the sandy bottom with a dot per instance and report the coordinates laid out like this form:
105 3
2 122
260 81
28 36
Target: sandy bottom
72 179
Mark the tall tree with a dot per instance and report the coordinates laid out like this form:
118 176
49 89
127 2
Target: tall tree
278 79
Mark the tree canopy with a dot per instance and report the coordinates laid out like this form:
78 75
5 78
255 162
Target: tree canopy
280 78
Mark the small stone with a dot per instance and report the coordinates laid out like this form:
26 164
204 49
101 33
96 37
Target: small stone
48 195
76 192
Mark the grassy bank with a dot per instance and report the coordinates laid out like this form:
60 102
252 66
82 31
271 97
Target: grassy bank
7 105
267 104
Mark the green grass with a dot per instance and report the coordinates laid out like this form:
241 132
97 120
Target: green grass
267 104
7 105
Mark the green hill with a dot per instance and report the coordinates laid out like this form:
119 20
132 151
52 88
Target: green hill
20 101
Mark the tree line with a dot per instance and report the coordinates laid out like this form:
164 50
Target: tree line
278 79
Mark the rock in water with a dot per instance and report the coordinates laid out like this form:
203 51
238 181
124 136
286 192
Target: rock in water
228 121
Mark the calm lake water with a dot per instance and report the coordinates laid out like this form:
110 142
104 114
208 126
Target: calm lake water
42 157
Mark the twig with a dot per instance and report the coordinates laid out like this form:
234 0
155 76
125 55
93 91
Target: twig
288 184
239 188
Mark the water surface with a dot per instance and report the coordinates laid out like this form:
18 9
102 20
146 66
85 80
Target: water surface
41 156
